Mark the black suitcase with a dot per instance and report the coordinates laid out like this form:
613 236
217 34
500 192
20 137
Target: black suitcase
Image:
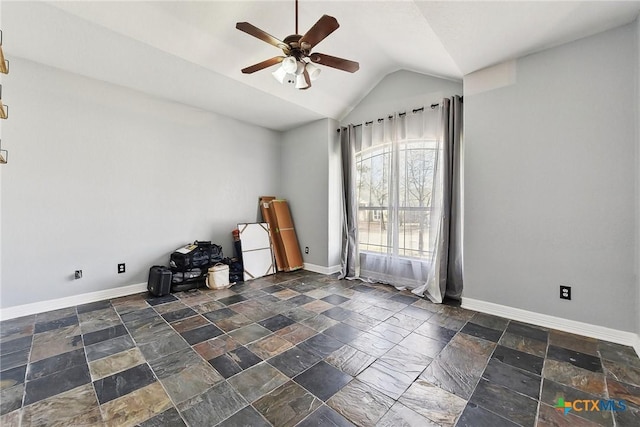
159 283
198 254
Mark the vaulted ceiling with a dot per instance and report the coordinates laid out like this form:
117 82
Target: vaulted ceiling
190 51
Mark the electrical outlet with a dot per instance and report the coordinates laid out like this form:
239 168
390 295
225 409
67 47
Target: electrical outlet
78 274
565 292
121 268
306 249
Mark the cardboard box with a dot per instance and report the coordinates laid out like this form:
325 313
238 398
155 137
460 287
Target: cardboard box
285 234
278 250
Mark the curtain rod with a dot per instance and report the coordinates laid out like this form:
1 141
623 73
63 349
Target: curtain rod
415 110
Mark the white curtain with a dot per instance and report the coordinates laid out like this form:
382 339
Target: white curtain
399 213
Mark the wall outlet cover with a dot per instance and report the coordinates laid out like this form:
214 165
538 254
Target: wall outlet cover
565 292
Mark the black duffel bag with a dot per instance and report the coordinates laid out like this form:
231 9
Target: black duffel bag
196 255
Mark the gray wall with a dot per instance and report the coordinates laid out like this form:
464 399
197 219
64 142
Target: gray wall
550 173
306 175
637 270
100 175
401 91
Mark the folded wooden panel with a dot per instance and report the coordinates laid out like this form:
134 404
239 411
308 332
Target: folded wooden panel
267 216
286 234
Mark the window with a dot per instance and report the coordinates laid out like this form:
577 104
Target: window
394 187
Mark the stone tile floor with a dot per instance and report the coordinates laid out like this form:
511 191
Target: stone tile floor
302 349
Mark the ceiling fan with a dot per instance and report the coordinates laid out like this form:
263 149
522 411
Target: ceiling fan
297 48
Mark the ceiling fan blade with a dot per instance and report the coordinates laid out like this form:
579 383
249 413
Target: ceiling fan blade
321 29
258 33
262 65
307 79
335 62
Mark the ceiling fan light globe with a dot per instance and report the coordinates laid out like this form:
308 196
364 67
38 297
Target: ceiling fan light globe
290 65
314 72
300 68
301 83
280 75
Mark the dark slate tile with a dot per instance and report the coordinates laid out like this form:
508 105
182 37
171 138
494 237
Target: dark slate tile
417 312
179 314
629 417
552 391
154 350
338 313
93 306
476 416
390 332
287 405
363 288
255 382
104 334
56 383
18 327
246 417
481 332
459 366
15 359
276 323
372 344
389 377
294 361
618 353
325 417
405 299
342 332
528 331
511 405
161 300
12 377
213 406
490 321
273 288
123 383
244 357
626 392
302 287
175 363
204 333
579 343
137 315
323 380
320 345
423 345
435 332
233 299
521 360
580 360
300 300
225 365
11 400
513 378
60 362
168 418
56 324
335 299
216 315
18 344
108 347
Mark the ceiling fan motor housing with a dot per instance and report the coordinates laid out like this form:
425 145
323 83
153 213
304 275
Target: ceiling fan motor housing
295 49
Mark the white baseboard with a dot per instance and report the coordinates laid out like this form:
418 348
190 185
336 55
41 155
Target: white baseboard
547 321
321 269
55 304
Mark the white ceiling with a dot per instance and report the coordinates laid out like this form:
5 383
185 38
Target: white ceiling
190 51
